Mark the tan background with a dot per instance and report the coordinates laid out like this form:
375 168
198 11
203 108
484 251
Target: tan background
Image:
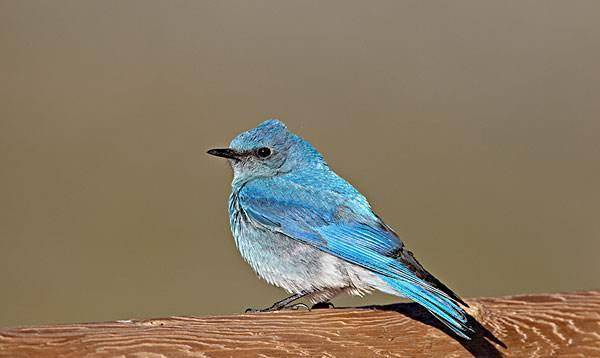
473 127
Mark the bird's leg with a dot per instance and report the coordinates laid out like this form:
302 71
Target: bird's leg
279 305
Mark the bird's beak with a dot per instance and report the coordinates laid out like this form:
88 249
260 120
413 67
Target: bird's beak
225 153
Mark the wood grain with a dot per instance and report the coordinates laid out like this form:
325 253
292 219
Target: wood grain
544 325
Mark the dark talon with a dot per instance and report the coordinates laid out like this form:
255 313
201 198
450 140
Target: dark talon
281 305
257 310
321 305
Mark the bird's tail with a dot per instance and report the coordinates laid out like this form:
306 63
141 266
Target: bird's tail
439 304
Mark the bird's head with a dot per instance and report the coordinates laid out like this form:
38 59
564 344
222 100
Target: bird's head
267 150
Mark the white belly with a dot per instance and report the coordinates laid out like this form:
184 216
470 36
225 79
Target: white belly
300 268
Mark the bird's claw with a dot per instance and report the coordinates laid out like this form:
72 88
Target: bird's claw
297 306
321 305
293 307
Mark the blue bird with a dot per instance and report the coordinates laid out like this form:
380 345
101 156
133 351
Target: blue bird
305 229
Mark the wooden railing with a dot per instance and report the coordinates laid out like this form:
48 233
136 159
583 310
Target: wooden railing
542 325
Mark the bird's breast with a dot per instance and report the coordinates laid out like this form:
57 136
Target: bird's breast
281 260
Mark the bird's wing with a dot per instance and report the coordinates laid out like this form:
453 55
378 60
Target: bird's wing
341 226
338 224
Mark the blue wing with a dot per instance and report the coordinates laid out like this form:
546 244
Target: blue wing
340 222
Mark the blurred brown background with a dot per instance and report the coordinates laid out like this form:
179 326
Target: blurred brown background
473 127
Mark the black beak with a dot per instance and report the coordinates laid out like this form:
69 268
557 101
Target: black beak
225 153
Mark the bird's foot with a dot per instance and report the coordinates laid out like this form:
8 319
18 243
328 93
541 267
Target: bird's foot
297 306
274 308
320 305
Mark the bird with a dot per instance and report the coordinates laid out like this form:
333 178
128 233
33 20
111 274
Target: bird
305 229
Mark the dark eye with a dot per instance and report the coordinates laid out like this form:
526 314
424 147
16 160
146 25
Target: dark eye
263 152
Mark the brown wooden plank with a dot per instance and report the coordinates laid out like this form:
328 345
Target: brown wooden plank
565 324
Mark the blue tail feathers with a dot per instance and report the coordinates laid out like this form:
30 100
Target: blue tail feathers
440 305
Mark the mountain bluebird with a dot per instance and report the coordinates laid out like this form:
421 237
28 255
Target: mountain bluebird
303 228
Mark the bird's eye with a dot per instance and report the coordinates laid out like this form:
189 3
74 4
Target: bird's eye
263 152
